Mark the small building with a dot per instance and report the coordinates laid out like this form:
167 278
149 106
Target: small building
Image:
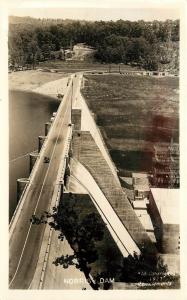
140 208
156 73
140 185
160 73
165 73
164 211
149 73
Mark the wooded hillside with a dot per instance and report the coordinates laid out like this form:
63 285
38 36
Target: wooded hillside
151 45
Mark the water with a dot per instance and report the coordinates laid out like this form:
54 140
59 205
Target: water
28 112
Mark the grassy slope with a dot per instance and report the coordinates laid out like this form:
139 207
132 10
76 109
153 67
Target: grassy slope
134 113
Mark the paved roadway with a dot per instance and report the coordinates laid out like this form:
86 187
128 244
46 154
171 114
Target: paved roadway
26 238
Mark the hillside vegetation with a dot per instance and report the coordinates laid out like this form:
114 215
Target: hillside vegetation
151 45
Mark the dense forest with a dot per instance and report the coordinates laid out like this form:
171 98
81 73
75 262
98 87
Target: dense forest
145 44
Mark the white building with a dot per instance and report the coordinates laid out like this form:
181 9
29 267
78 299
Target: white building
164 210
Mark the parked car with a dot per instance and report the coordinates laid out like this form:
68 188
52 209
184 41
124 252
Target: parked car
46 159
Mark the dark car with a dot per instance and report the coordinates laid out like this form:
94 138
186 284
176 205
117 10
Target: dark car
46 159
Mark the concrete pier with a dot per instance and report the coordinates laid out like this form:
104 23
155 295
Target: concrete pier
67 173
41 140
21 183
33 157
76 118
47 128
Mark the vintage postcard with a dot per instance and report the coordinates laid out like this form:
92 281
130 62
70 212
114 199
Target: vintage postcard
93 103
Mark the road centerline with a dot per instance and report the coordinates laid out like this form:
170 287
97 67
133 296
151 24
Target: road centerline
39 195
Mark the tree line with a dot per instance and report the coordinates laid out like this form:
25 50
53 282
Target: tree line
141 43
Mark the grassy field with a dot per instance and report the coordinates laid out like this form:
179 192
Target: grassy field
134 113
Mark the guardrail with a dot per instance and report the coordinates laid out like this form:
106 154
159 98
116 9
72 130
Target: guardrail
63 163
18 206
58 187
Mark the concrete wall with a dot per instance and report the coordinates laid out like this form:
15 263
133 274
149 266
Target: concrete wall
170 238
21 184
118 231
172 261
156 219
89 154
41 140
167 235
47 128
33 157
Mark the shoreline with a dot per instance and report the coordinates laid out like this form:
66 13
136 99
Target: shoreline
45 83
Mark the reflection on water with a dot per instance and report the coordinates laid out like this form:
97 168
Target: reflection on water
28 111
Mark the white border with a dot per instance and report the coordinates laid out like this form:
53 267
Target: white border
61 294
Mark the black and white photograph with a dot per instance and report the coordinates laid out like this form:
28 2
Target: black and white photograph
94 141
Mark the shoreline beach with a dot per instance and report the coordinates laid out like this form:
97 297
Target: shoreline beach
46 83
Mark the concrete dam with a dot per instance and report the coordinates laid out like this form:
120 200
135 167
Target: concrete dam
80 163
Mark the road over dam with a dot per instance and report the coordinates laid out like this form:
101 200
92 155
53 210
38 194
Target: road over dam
25 237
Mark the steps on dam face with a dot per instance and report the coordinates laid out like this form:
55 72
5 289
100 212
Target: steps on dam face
87 152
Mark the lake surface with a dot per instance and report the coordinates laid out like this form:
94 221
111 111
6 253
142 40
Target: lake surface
28 113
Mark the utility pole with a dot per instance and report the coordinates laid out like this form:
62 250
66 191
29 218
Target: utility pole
71 101
119 69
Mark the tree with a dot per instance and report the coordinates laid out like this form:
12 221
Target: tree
115 42
46 51
16 52
138 49
151 62
33 51
146 269
81 232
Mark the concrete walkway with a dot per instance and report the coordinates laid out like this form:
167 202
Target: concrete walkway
57 277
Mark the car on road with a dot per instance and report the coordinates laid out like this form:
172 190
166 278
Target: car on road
46 159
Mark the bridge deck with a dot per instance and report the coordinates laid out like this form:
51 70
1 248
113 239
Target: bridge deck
26 238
